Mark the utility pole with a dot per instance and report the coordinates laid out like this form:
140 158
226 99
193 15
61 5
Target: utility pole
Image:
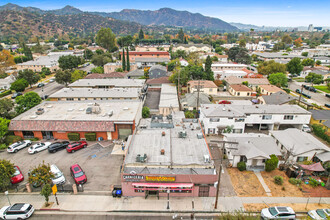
197 115
301 91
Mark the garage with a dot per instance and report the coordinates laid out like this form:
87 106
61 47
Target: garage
124 131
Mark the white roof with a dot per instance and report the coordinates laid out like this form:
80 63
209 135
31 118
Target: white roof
108 82
96 93
168 96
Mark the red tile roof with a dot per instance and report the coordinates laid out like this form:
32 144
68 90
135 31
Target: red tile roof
161 80
241 88
147 53
106 75
204 83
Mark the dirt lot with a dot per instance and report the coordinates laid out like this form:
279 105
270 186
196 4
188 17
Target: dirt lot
297 207
246 183
102 169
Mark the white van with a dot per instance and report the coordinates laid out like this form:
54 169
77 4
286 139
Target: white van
59 177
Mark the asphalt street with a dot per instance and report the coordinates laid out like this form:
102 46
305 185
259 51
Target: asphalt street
48 89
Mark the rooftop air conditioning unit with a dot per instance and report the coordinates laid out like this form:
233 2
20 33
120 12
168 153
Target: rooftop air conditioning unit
182 134
141 159
200 136
110 113
207 159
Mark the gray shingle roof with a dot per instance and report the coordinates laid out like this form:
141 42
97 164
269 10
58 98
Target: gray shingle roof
278 98
191 99
320 114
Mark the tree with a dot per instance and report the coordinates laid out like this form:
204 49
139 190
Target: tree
123 62
30 76
318 62
314 78
98 69
286 39
27 51
46 71
6 172
208 70
6 106
173 64
27 101
63 77
19 85
69 62
245 83
179 54
181 35
294 66
242 43
278 79
88 54
269 67
101 59
4 123
141 34
271 164
128 67
189 114
298 42
41 175
77 74
38 48
46 191
239 55
308 62
145 112
305 54
106 39
6 60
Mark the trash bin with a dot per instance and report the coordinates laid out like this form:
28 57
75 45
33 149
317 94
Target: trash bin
114 193
118 193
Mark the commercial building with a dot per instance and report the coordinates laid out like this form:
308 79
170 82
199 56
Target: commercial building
217 117
108 83
227 66
112 67
113 75
169 155
189 48
54 120
146 54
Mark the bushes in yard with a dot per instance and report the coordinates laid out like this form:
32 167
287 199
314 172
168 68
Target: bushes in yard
295 181
241 166
90 136
74 136
5 93
319 131
313 182
145 112
271 164
12 139
278 180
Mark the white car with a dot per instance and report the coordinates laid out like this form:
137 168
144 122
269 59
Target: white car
319 214
278 212
17 211
38 147
306 128
59 177
18 146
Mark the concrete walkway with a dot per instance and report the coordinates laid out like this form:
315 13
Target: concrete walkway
264 185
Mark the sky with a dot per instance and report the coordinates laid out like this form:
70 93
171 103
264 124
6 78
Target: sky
258 12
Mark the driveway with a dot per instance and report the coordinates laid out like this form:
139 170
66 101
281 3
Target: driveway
101 167
152 99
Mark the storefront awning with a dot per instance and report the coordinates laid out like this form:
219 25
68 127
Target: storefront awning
163 184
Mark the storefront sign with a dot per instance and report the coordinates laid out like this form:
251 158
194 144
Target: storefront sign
133 177
160 179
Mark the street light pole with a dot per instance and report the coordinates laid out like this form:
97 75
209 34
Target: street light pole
168 199
6 193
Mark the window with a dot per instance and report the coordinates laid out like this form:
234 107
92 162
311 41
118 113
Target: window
239 119
288 117
238 94
214 119
210 90
266 117
69 99
243 159
78 99
302 159
248 94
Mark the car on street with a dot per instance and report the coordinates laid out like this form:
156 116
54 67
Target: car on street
58 175
17 211
38 147
15 147
52 80
71 148
278 212
57 146
17 176
43 97
78 174
40 85
319 214
327 95
16 94
306 128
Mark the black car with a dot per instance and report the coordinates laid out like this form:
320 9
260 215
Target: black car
44 97
40 85
327 95
16 94
58 146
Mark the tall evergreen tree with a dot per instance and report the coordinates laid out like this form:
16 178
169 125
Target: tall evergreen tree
185 40
208 70
181 35
141 34
123 65
128 67
27 51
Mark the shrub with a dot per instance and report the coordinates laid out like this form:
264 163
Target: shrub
8 92
271 164
278 180
241 166
12 139
287 90
90 136
189 114
145 112
319 131
313 182
74 136
283 188
34 139
295 181
3 146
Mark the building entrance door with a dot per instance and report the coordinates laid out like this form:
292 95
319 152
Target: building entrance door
47 135
203 191
254 162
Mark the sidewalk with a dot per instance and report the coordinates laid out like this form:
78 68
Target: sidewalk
99 203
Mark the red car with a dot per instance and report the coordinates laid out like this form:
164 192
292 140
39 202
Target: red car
76 146
17 176
78 174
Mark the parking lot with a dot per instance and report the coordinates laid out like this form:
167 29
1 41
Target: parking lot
101 167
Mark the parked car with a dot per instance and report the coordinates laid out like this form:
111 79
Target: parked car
44 97
71 148
40 85
278 212
16 94
298 91
38 147
18 146
17 176
58 146
78 174
52 80
17 211
306 128
59 177
319 214
327 95
263 127
327 105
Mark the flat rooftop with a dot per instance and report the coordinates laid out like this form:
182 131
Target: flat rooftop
96 93
108 82
181 154
168 96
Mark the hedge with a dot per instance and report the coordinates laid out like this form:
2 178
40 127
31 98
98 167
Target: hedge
74 136
319 131
12 139
241 166
8 92
90 136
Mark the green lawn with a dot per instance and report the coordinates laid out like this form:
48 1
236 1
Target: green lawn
323 88
299 79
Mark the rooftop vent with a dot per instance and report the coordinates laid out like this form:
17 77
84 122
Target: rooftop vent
162 152
182 134
40 111
70 109
163 133
207 158
110 113
125 108
33 116
141 159
49 106
81 109
200 136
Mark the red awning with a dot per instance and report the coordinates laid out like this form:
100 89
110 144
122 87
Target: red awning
163 184
313 167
